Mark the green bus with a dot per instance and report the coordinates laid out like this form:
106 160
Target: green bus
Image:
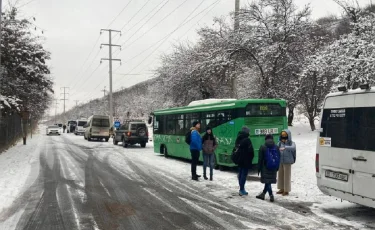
226 118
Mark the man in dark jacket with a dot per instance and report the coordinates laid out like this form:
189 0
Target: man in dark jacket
246 155
195 149
268 176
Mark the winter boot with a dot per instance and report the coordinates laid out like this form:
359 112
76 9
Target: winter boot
204 176
261 196
272 198
211 177
196 178
285 193
242 193
281 191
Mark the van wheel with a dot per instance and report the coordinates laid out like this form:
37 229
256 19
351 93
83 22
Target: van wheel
143 145
124 144
107 139
89 138
114 141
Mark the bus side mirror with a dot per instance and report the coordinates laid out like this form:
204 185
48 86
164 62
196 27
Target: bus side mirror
149 120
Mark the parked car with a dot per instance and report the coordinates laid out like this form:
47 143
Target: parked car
80 129
71 126
131 133
60 127
53 129
97 127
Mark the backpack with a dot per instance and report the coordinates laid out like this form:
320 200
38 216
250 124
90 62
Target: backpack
272 159
188 137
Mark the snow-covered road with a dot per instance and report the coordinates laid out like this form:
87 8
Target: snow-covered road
66 182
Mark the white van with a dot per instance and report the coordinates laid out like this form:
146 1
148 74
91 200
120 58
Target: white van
80 129
345 159
97 127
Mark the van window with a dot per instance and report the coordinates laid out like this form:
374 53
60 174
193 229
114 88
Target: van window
351 128
100 122
82 123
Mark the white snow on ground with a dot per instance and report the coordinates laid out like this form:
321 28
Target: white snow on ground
18 167
21 163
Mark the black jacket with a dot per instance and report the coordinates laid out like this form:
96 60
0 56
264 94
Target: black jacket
267 176
245 150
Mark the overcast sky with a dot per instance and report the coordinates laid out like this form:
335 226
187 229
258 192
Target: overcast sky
72 34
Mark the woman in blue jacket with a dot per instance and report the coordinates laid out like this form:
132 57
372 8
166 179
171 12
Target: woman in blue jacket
287 158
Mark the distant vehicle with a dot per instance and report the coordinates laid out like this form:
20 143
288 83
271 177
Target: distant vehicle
60 127
97 127
71 126
131 133
53 129
79 128
345 158
225 117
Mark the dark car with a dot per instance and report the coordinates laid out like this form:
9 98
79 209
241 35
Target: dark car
71 126
131 133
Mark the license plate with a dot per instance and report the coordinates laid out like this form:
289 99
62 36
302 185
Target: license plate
266 131
336 175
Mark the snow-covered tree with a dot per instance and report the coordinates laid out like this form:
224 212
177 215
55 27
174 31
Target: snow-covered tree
23 58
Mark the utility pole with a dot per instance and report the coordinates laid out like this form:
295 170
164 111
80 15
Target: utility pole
236 30
56 103
110 67
1 69
64 98
236 15
104 90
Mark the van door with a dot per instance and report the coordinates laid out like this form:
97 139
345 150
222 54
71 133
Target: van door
363 156
334 151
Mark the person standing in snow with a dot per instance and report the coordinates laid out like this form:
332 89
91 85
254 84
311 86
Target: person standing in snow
195 148
287 158
209 146
64 128
267 153
245 151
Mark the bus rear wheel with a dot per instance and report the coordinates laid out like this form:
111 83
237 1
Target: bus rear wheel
165 151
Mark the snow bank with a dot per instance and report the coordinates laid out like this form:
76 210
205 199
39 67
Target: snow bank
17 166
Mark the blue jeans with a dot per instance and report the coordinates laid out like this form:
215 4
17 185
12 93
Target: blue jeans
208 160
267 188
242 175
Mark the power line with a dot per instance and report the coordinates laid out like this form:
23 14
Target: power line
123 9
84 63
174 10
134 15
168 35
147 21
178 27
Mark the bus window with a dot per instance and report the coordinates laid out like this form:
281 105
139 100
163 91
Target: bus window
269 110
171 124
180 130
159 124
208 120
190 118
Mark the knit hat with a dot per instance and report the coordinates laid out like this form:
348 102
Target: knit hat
195 123
245 129
268 137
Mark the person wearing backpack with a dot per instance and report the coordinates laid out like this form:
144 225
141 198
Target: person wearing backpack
195 141
245 153
288 157
209 146
268 165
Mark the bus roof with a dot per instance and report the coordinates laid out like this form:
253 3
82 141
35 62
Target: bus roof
230 104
